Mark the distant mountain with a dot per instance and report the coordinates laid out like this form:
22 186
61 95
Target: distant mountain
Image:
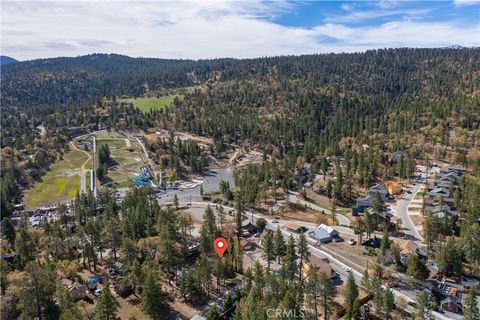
7 60
391 73
455 46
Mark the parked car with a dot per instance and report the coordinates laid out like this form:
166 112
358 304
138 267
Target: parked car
97 292
337 239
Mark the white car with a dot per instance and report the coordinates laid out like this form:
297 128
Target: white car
97 292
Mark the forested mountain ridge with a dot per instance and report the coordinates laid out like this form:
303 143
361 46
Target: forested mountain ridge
303 108
393 72
4 60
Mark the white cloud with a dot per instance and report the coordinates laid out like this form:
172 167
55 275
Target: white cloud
203 29
387 4
460 3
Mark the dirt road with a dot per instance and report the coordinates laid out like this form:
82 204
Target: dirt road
83 172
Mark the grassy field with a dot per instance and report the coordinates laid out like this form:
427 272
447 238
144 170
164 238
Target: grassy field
113 143
126 162
61 183
147 104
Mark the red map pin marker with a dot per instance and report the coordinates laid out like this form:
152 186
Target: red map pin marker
220 245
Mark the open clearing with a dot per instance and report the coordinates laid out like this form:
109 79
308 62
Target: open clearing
126 161
61 183
148 104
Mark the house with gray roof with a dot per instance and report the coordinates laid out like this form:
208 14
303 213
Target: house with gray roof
440 211
397 155
439 192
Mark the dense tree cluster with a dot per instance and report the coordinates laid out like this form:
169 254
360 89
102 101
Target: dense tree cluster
177 154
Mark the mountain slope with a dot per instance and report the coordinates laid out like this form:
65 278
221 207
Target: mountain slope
4 60
393 72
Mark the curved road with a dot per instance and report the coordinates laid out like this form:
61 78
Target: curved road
411 232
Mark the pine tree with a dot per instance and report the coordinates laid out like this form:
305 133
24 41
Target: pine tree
366 281
312 290
8 231
470 309
24 245
112 235
153 298
327 294
417 268
385 243
303 252
37 291
290 257
280 246
228 303
212 313
106 307
238 216
450 260
388 302
424 306
351 297
377 204
268 249
69 311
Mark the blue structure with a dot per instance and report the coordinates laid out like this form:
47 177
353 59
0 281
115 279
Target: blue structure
144 178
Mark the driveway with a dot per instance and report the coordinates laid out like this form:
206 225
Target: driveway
411 232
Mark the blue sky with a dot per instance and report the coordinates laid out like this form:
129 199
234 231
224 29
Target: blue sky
241 29
370 13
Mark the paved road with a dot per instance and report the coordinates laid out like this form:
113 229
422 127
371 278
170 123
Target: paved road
340 267
337 265
213 178
402 212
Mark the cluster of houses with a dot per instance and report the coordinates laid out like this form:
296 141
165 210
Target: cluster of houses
452 292
439 198
365 202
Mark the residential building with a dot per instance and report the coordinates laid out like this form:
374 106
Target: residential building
322 265
397 155
393 187
77 290
407 249
441 210
324 234
247 245
367 201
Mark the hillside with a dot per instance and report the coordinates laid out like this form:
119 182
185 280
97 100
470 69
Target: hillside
4 60
297 107
392 72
